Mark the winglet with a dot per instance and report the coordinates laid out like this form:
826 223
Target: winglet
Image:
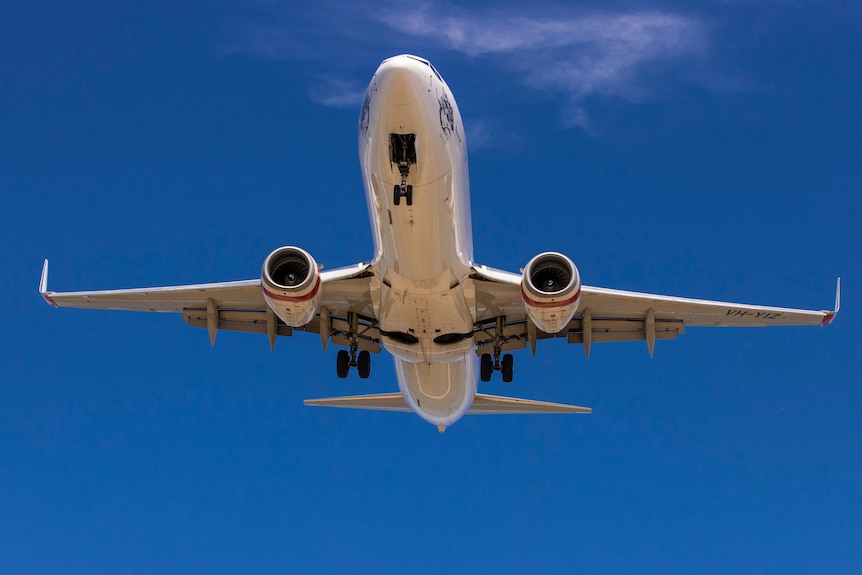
43 285
830 315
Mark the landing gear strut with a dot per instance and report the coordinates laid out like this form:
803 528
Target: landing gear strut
345 359
402 152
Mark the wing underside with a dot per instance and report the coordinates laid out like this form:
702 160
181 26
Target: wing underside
240 306
604 315
608 315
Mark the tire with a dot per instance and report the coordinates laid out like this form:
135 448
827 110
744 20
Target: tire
485 368
409 195
342 363
508 367
396 195
364 366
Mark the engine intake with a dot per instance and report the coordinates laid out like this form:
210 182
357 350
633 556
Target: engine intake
551 290
290 280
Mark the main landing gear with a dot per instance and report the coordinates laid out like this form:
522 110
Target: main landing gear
489 364
347 359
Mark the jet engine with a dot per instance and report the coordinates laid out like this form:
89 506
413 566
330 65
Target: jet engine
551 290
291 285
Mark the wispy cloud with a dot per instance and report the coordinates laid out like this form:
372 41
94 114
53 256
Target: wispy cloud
337 92
488 132
604 54
504 32
576 55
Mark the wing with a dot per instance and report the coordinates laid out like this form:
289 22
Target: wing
615 315
240 306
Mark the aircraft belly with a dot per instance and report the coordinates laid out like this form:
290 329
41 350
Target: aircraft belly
419 316
423 240
419 242
411 134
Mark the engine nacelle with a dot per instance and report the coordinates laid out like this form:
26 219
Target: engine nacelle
551 290
291 285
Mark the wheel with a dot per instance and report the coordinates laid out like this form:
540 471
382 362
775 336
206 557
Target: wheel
342 363
485 368
364 366
396 195
508 365
409 195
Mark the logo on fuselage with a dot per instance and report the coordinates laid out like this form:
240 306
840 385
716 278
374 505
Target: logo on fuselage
366 112
447 117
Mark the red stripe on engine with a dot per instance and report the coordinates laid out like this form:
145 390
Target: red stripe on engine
535 303
305 297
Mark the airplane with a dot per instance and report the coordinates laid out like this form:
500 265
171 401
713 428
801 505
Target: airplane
422 297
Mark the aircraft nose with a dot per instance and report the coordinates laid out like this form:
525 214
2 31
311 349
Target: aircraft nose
400 81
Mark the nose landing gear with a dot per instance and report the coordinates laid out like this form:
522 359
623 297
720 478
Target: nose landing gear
402 153
403 191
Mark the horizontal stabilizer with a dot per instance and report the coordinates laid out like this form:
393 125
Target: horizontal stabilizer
482 404
493 404
378 402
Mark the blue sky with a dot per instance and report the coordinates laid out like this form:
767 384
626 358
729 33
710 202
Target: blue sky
703 149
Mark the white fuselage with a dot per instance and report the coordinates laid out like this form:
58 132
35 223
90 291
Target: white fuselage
424 251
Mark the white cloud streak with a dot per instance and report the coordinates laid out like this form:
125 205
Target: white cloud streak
599 53
338 93
477 34
576 55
